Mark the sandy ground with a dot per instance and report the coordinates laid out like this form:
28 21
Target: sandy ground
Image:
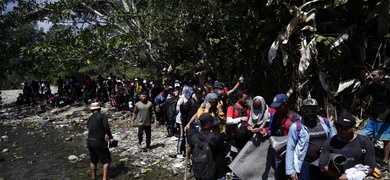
9 96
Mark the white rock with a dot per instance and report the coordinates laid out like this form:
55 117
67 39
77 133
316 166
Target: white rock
124 160
5 150
144 171
73 158
124 153
137 176
178 165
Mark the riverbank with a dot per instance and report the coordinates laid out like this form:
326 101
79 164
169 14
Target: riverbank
51 145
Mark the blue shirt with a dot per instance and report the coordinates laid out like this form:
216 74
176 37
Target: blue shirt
297 144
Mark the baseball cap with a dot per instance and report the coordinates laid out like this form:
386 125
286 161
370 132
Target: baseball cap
346 120
198 89
213 100
170 88
95 106
211 97
206 118
218 92
309 102
218 85
279 100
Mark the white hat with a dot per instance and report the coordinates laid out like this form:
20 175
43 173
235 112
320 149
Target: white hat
309 102
95 106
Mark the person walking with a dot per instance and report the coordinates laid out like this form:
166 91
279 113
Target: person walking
143 116
358 151
210 167
279 125
304 142
213 106
237 117
378 125
98 128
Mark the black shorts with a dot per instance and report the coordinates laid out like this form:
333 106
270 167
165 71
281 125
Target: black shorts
98 150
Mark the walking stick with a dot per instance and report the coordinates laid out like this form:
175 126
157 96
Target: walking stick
187 155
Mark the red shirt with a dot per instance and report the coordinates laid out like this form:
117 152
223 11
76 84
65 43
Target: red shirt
287 122
231 112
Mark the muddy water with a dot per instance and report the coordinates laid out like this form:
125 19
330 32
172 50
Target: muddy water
42 153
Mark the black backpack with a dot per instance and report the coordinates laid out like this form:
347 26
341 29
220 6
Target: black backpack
278 130
170 108
241 133
204 166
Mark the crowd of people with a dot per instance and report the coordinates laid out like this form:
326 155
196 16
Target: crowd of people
120 92
213 132
215 129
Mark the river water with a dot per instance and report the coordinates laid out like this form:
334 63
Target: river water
42 153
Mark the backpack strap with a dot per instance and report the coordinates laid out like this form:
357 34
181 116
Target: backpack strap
235 107
331 142
363 144
299 125
208 137
297 121
325 121
272 124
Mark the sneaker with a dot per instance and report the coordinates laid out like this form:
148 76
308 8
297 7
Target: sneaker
383 167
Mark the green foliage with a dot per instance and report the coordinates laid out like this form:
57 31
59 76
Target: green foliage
225 39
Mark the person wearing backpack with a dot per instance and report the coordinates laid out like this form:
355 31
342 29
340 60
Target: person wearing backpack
237 117
357 149
207 150
305 139
170 111
279 125
213 106
181 119
190 110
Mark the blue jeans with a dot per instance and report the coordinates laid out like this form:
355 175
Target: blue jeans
309 171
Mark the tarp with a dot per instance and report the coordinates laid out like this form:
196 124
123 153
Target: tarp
254 161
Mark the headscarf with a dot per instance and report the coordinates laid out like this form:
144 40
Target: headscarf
259 116
187 91
208 97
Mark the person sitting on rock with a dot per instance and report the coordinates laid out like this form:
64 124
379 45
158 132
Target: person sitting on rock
20 99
